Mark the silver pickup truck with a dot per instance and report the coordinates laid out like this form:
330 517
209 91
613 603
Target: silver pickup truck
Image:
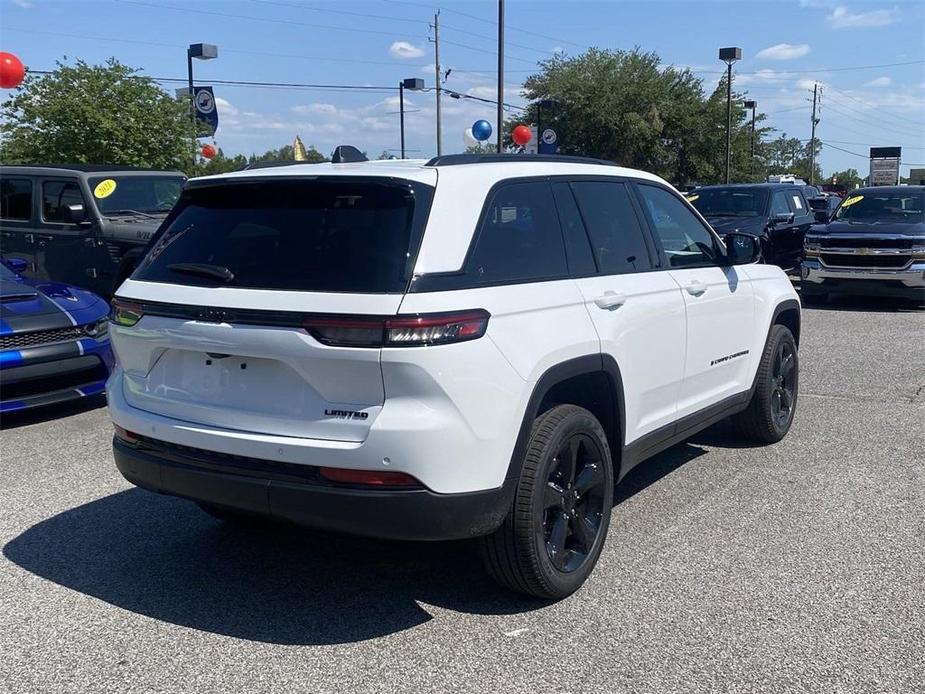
874 245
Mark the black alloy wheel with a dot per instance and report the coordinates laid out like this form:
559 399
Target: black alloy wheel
574 502
783 374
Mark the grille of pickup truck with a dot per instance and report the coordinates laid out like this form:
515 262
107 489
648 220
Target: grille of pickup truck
41 337
856 260
865 242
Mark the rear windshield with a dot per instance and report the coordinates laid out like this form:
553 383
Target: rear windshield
730 202
323 235
893 206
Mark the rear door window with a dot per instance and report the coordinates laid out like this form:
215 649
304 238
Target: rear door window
520 239
16 199
610 218
335 235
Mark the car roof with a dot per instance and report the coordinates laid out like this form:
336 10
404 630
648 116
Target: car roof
886 189
494 169
51 169
744 186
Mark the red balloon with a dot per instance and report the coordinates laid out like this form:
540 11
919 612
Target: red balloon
521 135
12 71
209 151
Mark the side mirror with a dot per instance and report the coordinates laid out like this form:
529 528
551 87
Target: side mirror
742 249
17 265
782 218
76 214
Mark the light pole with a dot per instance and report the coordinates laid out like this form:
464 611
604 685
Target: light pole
752 105
415 84
500 75
200 51
729 56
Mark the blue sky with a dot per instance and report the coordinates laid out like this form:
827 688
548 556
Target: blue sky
787 45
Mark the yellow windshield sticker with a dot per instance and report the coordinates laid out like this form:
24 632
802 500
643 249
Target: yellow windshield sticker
853 199
691 198
104 189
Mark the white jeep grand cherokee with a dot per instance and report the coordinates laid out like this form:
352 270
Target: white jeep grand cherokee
475 346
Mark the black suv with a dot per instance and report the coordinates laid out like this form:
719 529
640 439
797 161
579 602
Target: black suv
83 225
777 213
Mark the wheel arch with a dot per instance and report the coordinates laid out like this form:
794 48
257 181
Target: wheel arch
592 381
787 313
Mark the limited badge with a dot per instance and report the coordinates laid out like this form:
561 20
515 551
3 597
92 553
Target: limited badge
853 199
104 189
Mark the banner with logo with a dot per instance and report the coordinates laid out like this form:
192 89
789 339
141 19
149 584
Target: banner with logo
206 112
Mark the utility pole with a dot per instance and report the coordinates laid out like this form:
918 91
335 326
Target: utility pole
812 138
401 115
500 74
439 80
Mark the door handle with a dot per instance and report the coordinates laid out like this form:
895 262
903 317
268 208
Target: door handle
610 301
696 288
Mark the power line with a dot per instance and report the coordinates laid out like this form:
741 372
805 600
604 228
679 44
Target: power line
867 121
242 51
867 144
346 13
867 106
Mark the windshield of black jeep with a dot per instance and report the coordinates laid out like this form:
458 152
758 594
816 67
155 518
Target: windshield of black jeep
892 206
729 202
133 195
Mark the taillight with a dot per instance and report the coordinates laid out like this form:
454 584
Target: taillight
125 312
125 435
398 331
374 478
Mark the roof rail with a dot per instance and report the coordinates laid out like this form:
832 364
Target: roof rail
458 159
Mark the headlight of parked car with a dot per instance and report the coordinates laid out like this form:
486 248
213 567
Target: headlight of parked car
99 330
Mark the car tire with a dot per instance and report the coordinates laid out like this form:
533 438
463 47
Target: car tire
770 412
555 531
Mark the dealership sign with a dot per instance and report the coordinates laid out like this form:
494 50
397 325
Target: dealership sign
884 166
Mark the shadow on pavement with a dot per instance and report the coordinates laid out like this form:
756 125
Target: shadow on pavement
870 304
164 558
13 420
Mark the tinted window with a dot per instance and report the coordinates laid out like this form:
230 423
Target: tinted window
147 194
323 235
729 202
577 246
686 242
16 198
797 206
616 237
895 206
56 196
520 238
779 204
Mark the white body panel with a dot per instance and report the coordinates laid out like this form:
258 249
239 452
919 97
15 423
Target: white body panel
641 325
449 415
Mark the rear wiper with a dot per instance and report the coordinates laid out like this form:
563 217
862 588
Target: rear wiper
219 272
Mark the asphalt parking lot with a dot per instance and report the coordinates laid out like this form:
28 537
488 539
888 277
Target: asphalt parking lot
796 567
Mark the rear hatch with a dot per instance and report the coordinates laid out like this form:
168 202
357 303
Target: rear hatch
211 328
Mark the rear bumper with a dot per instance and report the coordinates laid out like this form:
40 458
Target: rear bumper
908 281
295 494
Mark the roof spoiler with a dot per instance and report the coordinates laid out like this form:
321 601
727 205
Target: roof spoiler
345 154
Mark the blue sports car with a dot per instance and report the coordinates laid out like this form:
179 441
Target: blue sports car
54 341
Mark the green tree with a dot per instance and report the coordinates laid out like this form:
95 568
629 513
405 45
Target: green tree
287 153
850 178
96 114
220 163
627 107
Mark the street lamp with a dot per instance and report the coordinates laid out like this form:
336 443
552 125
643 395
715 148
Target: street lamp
752 105
415 84
729 56
200 51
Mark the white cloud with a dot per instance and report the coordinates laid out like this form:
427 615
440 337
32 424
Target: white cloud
879 82
783 51
315 109
25 4
842 18
225 107
404 50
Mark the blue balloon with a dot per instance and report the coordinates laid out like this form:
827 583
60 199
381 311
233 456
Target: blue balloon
481 130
